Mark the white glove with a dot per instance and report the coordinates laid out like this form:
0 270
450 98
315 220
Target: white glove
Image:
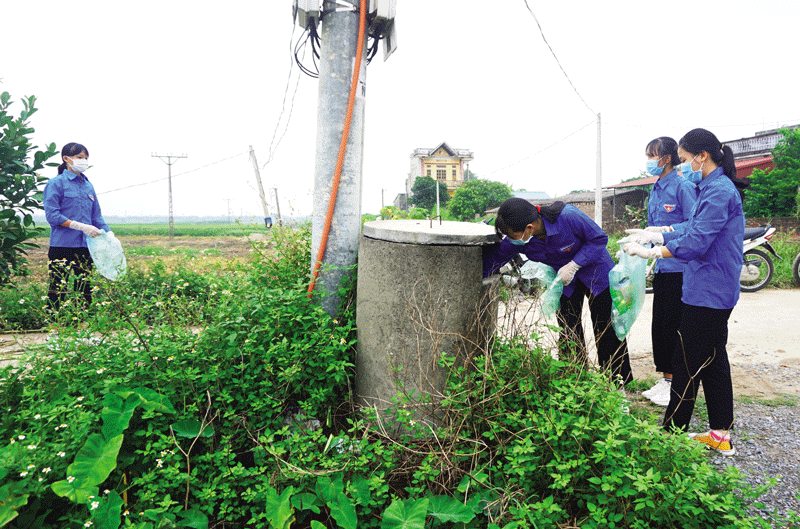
88 229
642 237
659 229
638 250
567 272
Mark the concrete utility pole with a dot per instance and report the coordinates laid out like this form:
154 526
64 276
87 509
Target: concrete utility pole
338 43
598 192
267 220
169 163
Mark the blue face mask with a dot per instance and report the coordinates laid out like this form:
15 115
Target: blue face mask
693 176
651 166
519 242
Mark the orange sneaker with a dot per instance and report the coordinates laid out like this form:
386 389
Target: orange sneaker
714 442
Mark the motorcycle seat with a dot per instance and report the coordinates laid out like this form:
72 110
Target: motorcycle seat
752 233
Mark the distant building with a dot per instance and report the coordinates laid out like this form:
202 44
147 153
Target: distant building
531 195
442 163
401 201
614 202
755 152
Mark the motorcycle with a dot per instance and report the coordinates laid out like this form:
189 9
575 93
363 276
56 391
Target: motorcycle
796 269
757 268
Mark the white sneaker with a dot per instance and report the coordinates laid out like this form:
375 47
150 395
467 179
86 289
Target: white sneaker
659 386
661 399
661 394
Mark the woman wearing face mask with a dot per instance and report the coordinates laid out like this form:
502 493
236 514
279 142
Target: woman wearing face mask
671 200
73 212
711 246
564 237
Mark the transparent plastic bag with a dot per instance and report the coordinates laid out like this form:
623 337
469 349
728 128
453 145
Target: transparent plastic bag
551 297
627 285
107 254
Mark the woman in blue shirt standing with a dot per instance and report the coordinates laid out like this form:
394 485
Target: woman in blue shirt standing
711 247
671 200
564 237
73 212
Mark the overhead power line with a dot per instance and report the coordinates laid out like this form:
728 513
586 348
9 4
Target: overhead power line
556 58
173 176
542 150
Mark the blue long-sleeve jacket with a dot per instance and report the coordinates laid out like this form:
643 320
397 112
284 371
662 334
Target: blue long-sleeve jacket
573 237
671 201
71 197
711 244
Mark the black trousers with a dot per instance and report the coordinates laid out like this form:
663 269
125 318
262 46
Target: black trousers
62 261
667 309
701 358
611 352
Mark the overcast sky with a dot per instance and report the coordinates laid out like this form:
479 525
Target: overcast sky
208 79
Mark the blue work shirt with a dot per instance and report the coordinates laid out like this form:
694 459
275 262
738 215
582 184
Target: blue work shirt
671 201
572 237
711 244
71 197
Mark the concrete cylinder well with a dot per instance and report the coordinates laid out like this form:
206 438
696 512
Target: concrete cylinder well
420 294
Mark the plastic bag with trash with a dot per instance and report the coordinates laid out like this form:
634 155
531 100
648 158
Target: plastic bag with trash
627 285
551 297
107 254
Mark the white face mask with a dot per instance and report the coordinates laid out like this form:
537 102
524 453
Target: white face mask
79 165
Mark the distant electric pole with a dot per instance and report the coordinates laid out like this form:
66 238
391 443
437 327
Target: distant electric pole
267 219
228 200
278 207
169 163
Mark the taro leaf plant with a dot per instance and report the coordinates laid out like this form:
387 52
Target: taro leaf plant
20 183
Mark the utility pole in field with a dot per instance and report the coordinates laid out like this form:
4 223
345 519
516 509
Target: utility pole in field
277 206
169 163
267 218
598 192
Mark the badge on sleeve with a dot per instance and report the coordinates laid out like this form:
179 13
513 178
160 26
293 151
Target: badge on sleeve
669 207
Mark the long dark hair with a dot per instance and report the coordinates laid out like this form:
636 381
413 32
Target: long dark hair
698 140
664 146
71 149
516 213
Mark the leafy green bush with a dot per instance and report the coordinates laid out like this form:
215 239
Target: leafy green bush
20 183
250 422
23 308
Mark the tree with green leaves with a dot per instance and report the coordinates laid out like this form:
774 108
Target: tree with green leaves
476 196
423 193
20 192
774 193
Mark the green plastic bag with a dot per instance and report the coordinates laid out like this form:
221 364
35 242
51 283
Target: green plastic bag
551 297
627 285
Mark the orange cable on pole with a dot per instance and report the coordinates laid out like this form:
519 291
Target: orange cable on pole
342 147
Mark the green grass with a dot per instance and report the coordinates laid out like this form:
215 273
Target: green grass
182 230
155 251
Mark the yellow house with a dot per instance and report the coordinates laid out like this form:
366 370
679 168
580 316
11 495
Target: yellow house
442 163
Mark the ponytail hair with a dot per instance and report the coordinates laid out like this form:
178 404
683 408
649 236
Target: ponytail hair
698 140
515 214
71 149
664 146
